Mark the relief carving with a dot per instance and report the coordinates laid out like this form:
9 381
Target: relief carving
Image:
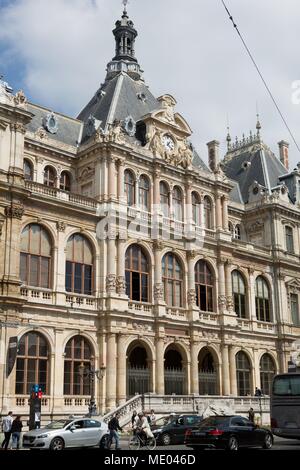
158 291
20 99
61 226
14 211
191 297
121 285
111 283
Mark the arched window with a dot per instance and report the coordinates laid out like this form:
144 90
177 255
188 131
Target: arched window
267 372
137 274
262 300
237 232
49 176
32 363
78 352
79 265
243 374
144 193
207 213
230 228
164 199
289 239
172 280
35 256
65 181
130 188
178 203
28 170
239 294
196 208
204 284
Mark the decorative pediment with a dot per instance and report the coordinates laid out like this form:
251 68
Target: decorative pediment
168 116
293 285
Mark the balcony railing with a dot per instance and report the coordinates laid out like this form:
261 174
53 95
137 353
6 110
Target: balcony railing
35 294
263 325
55 193
77 401
140 307
208 317
176 312
81 301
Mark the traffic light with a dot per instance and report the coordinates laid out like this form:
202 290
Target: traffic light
35 407
40 394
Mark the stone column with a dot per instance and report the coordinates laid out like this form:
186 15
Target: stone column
111 177
111 263
121 188
11 269
256 372
225 371
121 284
121 371
189 206
232 369
158 285
194 368
57 366
225 214
228 287
251 295
156 189
160 376
219 221
191 294
111 371
221 287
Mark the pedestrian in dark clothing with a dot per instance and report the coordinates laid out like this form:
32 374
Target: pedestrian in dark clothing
114 427
6 428
133 418
258 392
251 415
16 429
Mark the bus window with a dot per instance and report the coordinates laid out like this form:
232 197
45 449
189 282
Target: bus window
287 385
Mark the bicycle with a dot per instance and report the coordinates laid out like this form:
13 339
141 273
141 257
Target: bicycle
137 441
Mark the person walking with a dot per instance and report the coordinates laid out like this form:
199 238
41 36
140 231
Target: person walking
6 429
16 429
152 417
114 427
133 418
251 415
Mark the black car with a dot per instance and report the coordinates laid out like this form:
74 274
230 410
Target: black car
228 432
171 429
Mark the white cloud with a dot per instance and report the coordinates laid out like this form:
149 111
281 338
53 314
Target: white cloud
187 49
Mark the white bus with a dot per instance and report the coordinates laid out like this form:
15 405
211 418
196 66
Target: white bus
285 405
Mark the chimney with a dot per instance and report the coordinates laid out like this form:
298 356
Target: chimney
213 154
284 153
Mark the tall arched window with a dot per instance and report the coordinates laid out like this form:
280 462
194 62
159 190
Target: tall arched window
164 199
35 256
204 284
32 363
129 188
207 212
262 300
178 203
243 374
28 170
137 274
239 294
172 280
237 232
65 181
267 372
144 193
289 239
79 265
50 176
196 208
78 351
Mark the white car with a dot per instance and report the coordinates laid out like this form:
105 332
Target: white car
66 433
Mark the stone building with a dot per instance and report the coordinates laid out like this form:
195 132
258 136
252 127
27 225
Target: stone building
121 250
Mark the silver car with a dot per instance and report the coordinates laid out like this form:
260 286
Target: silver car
66 433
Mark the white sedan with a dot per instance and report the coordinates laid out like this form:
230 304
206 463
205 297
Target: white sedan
66 433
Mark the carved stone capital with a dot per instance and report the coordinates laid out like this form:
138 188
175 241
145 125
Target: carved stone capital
190 254
121 285
230 303
17 127
1 226
111 283
15 211
222 301
61 226
158 291
158 245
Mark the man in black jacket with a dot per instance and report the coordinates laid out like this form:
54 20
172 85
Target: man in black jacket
114 427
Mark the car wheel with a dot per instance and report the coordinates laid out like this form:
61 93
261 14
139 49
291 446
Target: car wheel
166 439
233 443
104 442
57 444
268 442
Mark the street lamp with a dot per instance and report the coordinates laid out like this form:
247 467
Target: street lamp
92 373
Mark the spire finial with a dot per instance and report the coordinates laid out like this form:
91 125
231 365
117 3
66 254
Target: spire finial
228 138
125 3
258 125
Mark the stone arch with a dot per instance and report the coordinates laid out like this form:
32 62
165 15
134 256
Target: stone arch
139 367
267 370
244 372
208 371
175 369
43 224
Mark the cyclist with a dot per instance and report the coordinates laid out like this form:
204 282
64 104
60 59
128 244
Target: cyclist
142 427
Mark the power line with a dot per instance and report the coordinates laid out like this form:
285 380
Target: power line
261 75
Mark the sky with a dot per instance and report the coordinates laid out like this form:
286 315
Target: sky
57 53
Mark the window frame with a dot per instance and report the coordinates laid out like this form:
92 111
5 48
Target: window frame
83 268
144 193
239 299
263 304
50 176
129 187
131 271
77 361
208 212
207 273
173 280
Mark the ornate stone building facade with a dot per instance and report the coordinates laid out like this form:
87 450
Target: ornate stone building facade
121 249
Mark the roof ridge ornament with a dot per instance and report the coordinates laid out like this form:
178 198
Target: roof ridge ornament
125 3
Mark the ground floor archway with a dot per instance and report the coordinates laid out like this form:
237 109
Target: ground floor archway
207 373
175 376
138 371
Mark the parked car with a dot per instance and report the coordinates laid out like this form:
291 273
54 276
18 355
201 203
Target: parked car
228 432
65 433
171 429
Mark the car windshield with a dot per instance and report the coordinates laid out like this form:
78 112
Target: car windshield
164 420
214 421
62 423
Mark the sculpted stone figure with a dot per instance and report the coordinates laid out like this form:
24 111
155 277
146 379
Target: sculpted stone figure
115 132
156 144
